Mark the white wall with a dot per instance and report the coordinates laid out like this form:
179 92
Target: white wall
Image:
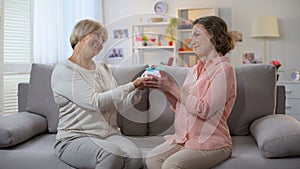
239 15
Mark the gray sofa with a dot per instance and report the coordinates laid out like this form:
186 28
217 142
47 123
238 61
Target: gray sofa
263 136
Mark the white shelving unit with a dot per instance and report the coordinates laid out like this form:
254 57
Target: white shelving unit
183 35
156 30
151 24
153 47
186 57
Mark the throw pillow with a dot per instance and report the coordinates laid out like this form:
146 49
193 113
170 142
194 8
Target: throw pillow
40 96
277 135
19 127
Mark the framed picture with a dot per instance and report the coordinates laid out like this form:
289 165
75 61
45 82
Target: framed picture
116 54
237 36
187 45
120 33
251 58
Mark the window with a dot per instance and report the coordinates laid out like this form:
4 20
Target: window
16 50
53 21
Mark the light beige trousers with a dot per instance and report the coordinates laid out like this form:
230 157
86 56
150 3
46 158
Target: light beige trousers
166 156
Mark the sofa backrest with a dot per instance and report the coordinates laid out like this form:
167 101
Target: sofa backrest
40 100
132 122
152 115
256 97
40 97
256 91
160 116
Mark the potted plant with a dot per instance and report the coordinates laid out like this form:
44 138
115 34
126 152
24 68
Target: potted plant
145 39
171 29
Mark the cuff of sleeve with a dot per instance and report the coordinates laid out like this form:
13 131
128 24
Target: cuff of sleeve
172 108
190 104
131 86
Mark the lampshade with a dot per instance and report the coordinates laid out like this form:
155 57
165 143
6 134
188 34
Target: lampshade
265 26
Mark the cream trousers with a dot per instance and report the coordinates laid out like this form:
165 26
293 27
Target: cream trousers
166 156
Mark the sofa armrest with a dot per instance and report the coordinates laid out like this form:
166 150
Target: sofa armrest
19 127
280 100
277 135
22 96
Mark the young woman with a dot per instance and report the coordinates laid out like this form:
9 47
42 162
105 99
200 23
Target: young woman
88 97
203 104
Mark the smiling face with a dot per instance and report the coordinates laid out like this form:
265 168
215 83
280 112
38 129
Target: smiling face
216 32
202 45
90 45
88 37
96 42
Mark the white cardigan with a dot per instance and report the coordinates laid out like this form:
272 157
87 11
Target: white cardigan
88 100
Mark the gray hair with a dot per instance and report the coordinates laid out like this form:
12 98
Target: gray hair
85 27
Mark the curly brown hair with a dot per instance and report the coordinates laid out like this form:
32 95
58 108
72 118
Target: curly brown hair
217 27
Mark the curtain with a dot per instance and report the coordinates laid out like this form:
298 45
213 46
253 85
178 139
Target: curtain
53 24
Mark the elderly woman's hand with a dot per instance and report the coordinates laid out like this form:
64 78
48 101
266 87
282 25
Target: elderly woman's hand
139 82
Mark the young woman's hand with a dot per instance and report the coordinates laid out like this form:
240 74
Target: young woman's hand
163 83
166 84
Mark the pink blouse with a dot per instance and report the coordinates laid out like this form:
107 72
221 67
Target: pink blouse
210 92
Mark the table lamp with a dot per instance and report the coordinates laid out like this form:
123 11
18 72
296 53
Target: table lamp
264 27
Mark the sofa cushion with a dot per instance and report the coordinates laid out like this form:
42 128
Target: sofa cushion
18 127
256 89
161 118
40 96
277 135
36 153
132 122
246 155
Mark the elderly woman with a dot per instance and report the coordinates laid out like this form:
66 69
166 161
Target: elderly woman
203 104
88 98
